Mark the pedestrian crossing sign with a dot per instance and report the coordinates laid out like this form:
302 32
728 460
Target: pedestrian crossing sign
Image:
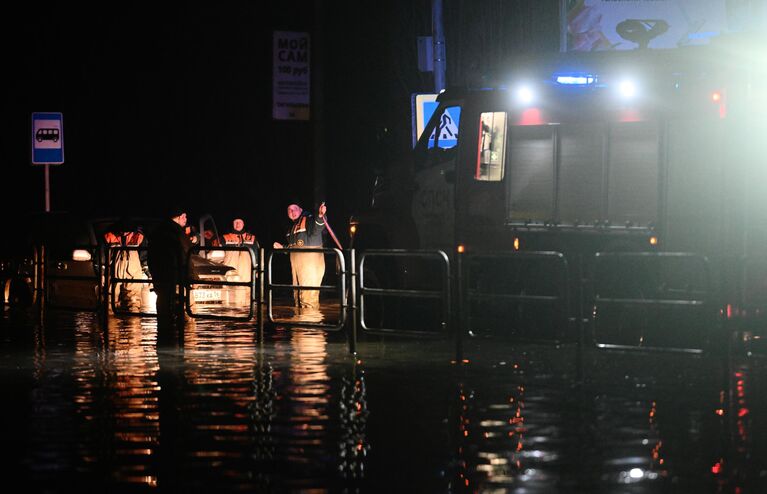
424 106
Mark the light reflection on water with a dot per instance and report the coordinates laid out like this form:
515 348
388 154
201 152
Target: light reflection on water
294 412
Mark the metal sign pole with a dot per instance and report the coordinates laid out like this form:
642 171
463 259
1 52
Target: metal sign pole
47 145
47 188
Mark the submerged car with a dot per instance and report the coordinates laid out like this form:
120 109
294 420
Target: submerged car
81 263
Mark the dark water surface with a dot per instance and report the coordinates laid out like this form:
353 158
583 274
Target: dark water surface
93 410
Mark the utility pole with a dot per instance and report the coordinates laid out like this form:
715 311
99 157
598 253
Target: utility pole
438 39
562 26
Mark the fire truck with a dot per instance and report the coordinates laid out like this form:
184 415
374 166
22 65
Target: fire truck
643 151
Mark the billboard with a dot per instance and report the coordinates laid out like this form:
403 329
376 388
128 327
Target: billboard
290 76
593 25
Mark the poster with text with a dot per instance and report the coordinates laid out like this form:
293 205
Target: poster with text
291 77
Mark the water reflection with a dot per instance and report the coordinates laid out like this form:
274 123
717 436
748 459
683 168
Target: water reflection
215 403
509 435
116 392
628 424
353 445
743 410
107 410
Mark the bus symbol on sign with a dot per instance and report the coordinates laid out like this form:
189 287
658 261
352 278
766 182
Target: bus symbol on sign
47 134
47 139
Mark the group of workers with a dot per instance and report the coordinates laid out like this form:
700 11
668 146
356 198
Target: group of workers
169 242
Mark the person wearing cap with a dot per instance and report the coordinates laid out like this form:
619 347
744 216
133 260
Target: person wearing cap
308 268
168 250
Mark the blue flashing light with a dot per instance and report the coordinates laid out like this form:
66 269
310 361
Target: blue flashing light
703 35
576 79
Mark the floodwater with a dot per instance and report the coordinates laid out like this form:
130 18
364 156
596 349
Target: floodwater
94 409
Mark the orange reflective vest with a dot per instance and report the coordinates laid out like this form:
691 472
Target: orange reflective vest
131 239
242 238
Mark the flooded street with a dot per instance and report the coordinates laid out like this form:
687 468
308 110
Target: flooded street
225 411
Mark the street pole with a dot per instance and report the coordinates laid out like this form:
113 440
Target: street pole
438 39
47 188
562 26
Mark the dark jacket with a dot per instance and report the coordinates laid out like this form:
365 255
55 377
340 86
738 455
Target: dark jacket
168 249
306 231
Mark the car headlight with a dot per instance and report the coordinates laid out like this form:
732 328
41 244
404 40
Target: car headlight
216 255
81 255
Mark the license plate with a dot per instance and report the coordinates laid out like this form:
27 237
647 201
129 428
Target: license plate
205 295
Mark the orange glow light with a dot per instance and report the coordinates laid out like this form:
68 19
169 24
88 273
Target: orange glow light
461 249
653 240
716 96
516 243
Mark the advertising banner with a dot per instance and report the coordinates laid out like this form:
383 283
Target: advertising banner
630 24
291 77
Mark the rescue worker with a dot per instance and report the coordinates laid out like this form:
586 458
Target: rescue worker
168 250
211 239
308 268
129 264
191 233
238 236
241 259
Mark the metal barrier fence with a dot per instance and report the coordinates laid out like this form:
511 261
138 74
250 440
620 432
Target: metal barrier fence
254 294
752 287
518 280
633 299
442 295
28 273
646 284
116 277
340 289
746 318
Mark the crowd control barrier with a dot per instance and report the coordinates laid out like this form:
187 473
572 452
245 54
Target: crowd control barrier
519 294
227 292
119 275
394 286
658 300
308 320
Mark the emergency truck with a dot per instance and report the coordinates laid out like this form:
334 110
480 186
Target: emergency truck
586 153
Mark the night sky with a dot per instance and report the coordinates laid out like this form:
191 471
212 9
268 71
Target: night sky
172 104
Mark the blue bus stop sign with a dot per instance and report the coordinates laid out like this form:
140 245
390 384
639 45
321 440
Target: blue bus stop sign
47 139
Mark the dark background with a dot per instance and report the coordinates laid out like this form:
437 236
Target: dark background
169 104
